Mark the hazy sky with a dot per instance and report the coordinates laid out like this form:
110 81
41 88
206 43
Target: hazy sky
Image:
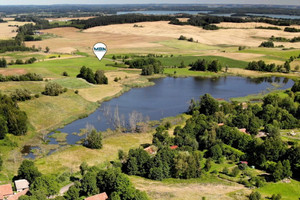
45 2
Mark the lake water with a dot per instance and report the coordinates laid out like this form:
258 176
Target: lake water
169 97
162 12
167 12
276 16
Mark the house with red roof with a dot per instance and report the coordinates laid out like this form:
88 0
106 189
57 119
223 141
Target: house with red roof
18 195
174 147
6 191
101 196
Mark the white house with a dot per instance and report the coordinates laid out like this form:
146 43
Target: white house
21 185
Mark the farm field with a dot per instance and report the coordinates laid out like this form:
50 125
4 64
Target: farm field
8 29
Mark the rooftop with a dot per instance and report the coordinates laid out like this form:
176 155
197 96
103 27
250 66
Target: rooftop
21 184
5 190
101 196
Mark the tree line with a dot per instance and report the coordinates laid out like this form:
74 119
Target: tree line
14 45
293 30
120 19
12 119
149 65
282 39
23 77
208 21
262 66
205 65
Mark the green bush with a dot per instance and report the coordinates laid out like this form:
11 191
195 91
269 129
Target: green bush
53 89
268 44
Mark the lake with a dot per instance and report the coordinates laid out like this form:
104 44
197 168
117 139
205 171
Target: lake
169 97
163 12
172 12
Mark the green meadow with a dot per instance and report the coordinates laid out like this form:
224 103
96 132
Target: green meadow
55 67
288 191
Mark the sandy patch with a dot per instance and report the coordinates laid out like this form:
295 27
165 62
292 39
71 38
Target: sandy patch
71 39
9 72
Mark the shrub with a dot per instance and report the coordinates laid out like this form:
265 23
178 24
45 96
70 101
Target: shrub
235 172
225 170
268 44
182 37
21 95
255 196
53 89
3 63
210 27
100 77
93 140
276 197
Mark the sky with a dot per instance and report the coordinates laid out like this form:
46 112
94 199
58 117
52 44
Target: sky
49 2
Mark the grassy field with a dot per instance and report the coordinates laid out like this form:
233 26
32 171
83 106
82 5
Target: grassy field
275 53
187 47
47 112
71 158
73 83
55 67
260 96
288 191
33 86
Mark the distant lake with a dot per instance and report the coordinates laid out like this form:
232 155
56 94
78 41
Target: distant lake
170 97
172 12
163 12
276 16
